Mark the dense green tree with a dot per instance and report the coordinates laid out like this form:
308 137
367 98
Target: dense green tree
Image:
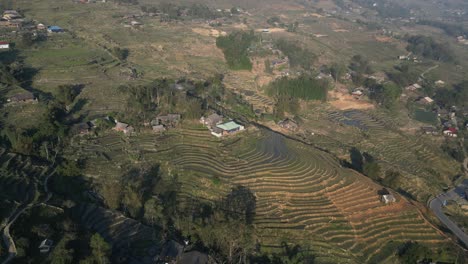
337 71
297 55
302 87
429 48
100 251
235 48
386 94
61 254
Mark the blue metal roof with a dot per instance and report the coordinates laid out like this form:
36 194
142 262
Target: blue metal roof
54 28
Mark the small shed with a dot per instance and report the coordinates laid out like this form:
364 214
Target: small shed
429 130
211 120
159 129
54 29
46 246
288 124
388 198
24 97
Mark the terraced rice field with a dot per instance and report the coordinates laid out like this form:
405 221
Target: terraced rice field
425 167
303 195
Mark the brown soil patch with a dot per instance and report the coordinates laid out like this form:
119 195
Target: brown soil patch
272 30
344 101
209 32
383 39
316 15
240 26
341 30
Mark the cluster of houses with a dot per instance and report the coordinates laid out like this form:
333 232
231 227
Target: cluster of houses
450 123
462 40
11 19
218 128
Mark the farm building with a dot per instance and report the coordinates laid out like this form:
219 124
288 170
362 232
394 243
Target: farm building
211 120
25 97
54 29
226 129
425 100
429 130
41 27
81 128
450 132
4 45
159 128
288 124
388 198
11 14
46 246
357 92
123 127
413 87
170 120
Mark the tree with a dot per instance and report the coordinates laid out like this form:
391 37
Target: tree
360 65
386 94
153 211
131 201
357 160
61 254
67 93
100 251
240 204
337 71
372 170
121 54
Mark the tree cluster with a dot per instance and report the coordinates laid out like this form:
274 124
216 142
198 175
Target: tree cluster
303 87
235 47
429 48
297 55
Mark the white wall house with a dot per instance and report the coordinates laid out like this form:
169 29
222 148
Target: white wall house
4 45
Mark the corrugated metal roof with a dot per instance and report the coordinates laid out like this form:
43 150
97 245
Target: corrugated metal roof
228 126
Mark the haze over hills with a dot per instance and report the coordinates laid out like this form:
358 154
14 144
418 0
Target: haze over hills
266 131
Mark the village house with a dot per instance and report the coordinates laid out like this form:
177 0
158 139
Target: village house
425 100
429 130
11 15
439 83
168 121
81 128
123 127
388 198
54 29
158 128
358 92
46 246
227 128
25 97
413 87
450 132
41 27
288 124
4 45
211 120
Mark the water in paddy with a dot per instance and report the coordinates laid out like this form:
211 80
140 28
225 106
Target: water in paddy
274 146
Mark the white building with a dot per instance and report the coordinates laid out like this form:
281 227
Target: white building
4 45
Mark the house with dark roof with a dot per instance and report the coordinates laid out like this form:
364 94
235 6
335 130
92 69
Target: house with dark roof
123 127
170 120
81 128
429 130
24 97
211 120
288 124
